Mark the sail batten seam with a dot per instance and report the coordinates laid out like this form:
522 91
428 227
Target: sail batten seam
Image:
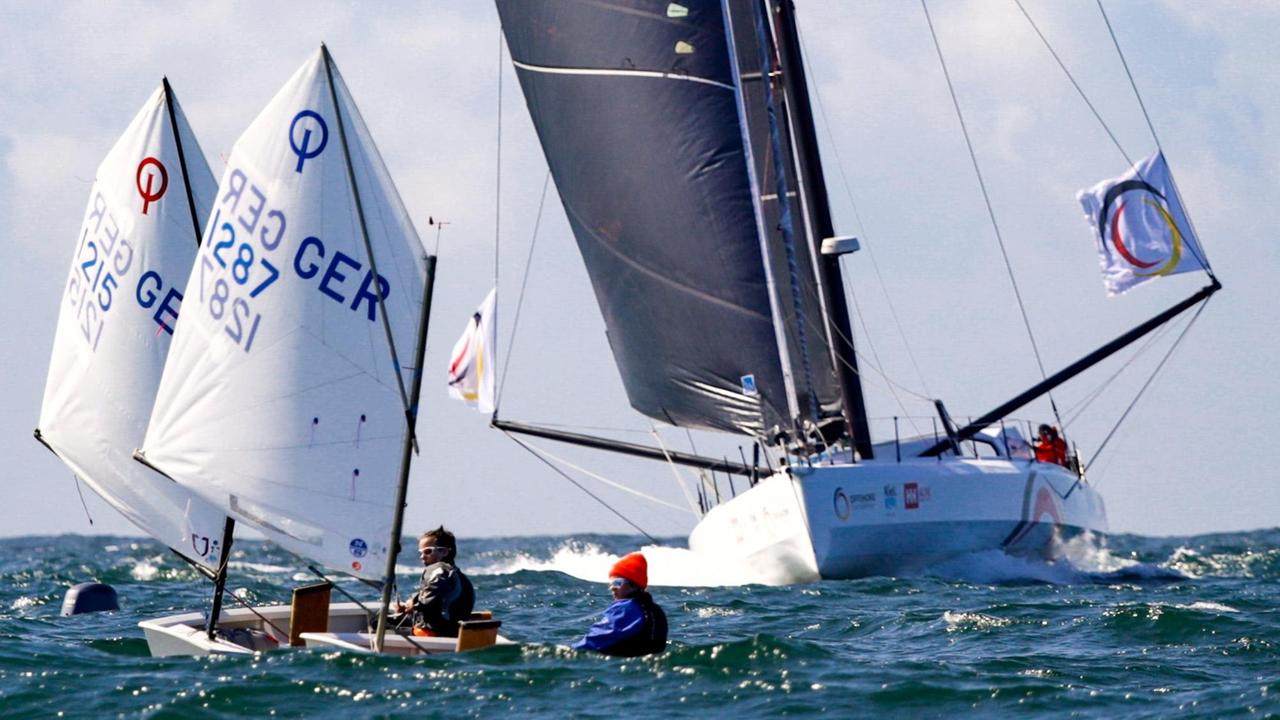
619 73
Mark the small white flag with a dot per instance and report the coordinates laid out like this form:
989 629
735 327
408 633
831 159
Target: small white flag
1140 227
471 365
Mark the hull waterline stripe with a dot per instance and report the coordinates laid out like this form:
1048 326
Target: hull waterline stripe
619 73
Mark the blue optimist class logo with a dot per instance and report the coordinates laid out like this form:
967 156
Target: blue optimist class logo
359 548
301 146
749 386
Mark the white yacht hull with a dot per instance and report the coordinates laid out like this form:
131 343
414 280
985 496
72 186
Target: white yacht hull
894 518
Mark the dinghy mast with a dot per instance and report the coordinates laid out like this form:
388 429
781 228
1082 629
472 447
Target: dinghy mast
229 526
411 399
410 447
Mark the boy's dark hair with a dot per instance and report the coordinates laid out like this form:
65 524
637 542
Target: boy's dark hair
444 538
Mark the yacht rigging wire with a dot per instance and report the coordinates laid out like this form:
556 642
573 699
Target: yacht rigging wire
579 485
1168 354
497 215
1022 308
1078 409
524 285
862 231
1204 261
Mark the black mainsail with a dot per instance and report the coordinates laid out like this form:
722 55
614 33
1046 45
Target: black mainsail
683 197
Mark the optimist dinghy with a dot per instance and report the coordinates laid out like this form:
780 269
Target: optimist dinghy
290 395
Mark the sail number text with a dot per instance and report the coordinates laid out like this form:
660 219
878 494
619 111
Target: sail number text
104 257
239 263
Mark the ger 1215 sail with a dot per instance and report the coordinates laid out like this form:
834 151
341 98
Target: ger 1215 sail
682 144
139 235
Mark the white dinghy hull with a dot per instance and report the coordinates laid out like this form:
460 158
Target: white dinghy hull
185 634
362 643
244 632
891 518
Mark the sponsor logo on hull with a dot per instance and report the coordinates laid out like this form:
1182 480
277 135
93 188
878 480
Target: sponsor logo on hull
844 504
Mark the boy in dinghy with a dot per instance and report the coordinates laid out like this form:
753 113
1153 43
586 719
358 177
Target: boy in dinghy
445 596
633 625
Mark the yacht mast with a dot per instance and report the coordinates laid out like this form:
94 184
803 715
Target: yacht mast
814 188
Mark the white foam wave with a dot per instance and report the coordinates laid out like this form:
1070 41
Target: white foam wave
1084 559
1208 606
261 567
960 621
668 566
144 570
24 602
995 566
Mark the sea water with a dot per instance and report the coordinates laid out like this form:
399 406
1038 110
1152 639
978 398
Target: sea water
1143 627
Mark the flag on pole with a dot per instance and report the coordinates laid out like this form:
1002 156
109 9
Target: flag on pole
1140 227
471 365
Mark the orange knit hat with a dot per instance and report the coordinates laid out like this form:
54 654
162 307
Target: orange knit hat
633 567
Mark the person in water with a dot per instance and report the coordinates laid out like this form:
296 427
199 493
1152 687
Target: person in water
445 595
1050 447
633 625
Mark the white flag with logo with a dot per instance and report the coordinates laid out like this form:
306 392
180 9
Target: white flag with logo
1140 227
471 365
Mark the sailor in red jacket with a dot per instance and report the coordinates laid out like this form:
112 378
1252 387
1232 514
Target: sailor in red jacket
1050 447
634 624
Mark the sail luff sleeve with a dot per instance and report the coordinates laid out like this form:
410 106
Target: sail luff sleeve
796 273
757 201
635 108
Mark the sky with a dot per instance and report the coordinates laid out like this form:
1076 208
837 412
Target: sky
937 314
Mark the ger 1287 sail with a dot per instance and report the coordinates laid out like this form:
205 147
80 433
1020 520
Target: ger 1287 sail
290 395
682 144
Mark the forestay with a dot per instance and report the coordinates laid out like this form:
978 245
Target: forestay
637 108
122 298
283 400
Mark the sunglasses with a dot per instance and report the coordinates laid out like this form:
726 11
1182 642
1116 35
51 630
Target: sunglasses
619 582
435 549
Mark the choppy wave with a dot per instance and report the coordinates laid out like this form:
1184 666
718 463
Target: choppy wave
668 566
1137 626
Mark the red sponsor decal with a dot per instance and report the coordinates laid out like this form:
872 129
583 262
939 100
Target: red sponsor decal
911 496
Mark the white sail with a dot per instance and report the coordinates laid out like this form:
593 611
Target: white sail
122 298
282 401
